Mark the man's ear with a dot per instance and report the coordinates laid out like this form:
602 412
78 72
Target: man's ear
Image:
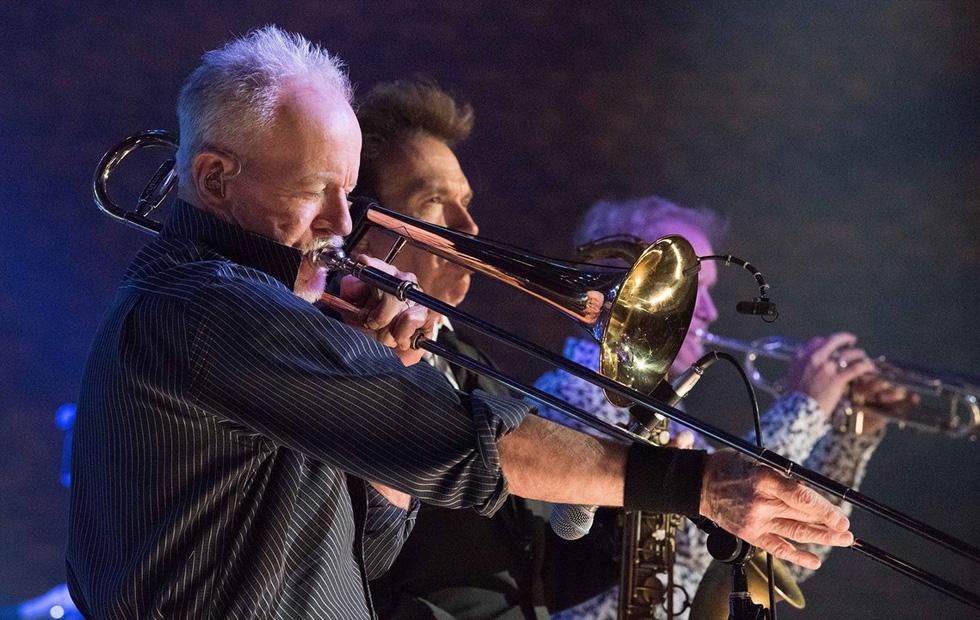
211 171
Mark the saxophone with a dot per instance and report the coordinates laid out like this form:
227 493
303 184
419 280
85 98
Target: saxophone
646 580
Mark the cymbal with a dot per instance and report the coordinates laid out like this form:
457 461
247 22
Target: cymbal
711 600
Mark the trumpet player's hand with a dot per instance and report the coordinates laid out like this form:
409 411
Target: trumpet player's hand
683 440
384 317
825 366
878 398
768 510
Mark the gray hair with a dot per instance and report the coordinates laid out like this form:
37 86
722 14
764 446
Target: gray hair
235 92
606 218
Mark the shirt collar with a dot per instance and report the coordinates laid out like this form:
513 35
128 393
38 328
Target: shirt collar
234 243
442 324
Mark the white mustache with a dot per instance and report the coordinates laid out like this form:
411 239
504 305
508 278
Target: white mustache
333 243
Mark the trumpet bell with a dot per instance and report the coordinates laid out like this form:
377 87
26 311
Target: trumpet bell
649 317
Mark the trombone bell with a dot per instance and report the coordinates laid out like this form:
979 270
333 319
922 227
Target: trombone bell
650 316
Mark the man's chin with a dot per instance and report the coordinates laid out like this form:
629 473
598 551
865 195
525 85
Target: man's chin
455 296
310 286
309 295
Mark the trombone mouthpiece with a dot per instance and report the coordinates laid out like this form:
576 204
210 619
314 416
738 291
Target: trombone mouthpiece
330 257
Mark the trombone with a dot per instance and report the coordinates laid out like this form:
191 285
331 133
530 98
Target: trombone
948 401
639 314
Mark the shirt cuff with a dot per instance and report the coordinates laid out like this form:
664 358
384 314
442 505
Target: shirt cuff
413 509
494 417
793 425
857 449
664 480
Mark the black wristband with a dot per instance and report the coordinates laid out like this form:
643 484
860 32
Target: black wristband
663 479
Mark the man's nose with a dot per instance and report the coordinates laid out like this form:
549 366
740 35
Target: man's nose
463 221
706 309
334 217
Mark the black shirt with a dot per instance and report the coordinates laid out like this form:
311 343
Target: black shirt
458 564
225 426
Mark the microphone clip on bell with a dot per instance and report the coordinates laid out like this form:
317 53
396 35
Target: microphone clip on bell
729 549
761 305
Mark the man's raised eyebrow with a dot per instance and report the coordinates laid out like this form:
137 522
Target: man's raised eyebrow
423 185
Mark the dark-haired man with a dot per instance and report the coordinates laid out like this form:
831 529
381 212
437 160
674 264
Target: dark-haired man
457 563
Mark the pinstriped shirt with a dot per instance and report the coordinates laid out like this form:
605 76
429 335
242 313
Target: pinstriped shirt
223 432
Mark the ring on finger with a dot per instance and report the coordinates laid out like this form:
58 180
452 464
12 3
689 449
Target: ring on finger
842 363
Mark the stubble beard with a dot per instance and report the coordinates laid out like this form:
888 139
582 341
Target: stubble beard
312 278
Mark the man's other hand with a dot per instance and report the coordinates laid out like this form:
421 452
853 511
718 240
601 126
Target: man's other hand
683 440
768 510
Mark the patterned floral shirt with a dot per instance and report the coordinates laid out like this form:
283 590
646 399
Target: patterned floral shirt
794 426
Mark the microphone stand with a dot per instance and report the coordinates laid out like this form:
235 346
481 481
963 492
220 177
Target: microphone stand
740 604
729 549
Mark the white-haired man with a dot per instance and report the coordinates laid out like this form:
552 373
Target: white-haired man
798 425
225 425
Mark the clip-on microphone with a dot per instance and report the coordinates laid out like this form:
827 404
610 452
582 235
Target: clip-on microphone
761 305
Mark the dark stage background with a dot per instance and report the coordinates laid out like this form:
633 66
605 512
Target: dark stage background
840 138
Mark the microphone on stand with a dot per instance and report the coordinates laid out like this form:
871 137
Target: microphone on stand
757 307
573 521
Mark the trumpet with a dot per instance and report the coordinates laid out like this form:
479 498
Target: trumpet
639 314
947 401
